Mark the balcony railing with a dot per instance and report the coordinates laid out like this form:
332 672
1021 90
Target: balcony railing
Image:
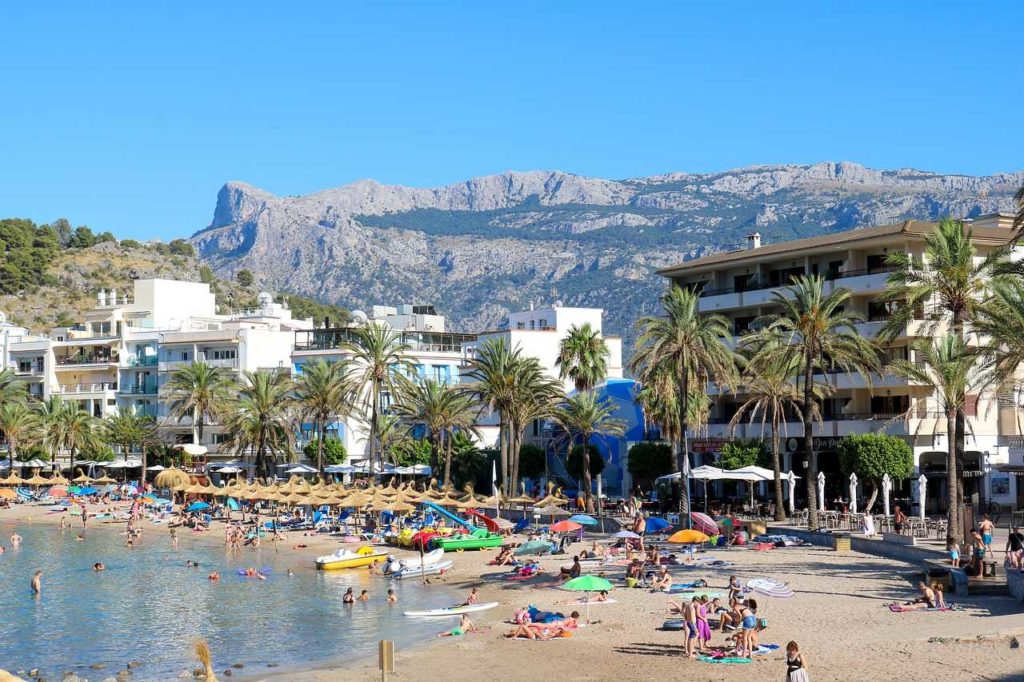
846 274
829 276
331 339
86 359
145 388
144 361
98 387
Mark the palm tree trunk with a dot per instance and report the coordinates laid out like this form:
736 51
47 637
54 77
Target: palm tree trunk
516 445
682 457
320 446
447 460
808 417
503 448
953 513
142 452
955 468
780 512
375 396
587 479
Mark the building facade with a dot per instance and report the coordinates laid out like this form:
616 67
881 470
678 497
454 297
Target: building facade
740 285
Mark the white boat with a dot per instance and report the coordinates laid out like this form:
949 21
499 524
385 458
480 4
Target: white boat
418 571
397 565
453 610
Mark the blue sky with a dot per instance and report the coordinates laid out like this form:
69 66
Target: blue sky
129 116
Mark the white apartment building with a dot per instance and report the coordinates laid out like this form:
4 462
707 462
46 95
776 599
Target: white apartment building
740 285
435 354
122 353
538 333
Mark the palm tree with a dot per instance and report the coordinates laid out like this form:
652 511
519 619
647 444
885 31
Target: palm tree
816 333
771 393
443 411
393 436
379 366
1000 321
583 416
515 387
690 347
11 387
947 367
323 392
51 423
128 430
583 357
947 283
199 392
259 421
1018 221
19 424
78 428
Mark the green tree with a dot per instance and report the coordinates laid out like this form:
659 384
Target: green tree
324 391
380 362
259 421
82 238
181 247
583 357
743 452
130 431
19 425
649 460
947 282
873 455
79 431
515 387
412 452
689 347
206 275
581 418
245 278
532 461
468 460
332 452
580 468
950 371
817 332
442 410
771 393
130 244
198 392
51 424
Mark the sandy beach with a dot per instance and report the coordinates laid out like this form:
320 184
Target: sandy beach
838 616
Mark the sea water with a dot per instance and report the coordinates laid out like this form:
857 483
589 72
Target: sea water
148 606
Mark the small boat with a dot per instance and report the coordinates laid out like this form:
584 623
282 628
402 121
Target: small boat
419 571
396 565
453 610
345 558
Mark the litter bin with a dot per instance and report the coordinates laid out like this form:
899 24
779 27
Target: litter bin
841 542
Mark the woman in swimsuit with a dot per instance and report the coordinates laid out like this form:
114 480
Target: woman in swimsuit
927 600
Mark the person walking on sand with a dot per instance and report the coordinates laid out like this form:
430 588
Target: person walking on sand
899 519
1015 548
986 527
37 584
796 665
690 618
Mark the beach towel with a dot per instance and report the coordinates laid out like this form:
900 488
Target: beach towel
723 659
765 649
899 608
679 587
582 600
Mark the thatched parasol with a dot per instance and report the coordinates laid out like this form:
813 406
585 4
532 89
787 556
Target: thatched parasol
447 501
400 508
59 480
105 479
169 478
37 480
81 478
12 479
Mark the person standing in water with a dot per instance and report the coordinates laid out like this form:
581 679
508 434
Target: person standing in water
37 584
15 539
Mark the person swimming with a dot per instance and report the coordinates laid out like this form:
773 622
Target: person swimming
392 598
99 566
349 598
364 596
213 576
15 539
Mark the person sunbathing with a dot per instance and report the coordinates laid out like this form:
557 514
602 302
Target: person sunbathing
541 631
927 600
504 557
663 580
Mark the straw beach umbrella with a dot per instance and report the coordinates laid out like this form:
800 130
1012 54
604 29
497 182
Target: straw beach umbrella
169 478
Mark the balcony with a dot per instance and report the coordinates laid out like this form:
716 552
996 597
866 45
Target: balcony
340 338
86 389
29 372
140 361
144 388
86 359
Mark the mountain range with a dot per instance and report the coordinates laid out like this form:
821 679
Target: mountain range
481 248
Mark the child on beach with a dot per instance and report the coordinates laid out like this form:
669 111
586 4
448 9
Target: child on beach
796 666
465 625
954 553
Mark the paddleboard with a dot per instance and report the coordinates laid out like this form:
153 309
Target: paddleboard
453 610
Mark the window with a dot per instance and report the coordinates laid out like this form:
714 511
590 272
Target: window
24 366
223 354
542 324
742 282
888 406
876 261
184 356
219 438
742 324
970 405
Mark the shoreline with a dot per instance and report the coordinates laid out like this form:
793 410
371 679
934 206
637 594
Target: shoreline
838 616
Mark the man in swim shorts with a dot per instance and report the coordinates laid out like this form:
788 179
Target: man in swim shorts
986 527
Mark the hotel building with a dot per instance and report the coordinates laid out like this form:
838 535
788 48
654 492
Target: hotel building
740 285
